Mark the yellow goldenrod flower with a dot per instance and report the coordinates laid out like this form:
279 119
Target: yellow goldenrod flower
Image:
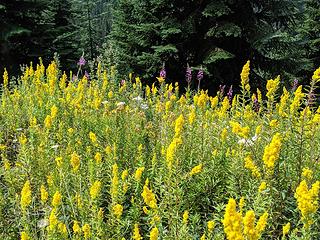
62 228
43 194
23 139
117 210
261 224
179 125
195 170
98 157
203 237
210 225
124 174
75 161
93 137
48 122
56 200
95 189
232 221
262 187
25 195
249 164
136 233
298 96
185 217
24 236
138 173
76 227
272 87
148 196
273 123
54 111
5 78
245 76
307 173
307 200
272 151
249 225
241 131
86 231
316 75
114 181
286 229
223 134
53 220
283 102
154 233
59 161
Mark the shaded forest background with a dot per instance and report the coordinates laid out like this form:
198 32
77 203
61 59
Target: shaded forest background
142 36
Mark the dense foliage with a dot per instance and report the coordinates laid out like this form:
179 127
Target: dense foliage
282 37
98 159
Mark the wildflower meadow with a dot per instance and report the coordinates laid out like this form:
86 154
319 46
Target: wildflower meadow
89 157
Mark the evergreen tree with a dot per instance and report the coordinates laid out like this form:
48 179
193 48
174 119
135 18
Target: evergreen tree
218 36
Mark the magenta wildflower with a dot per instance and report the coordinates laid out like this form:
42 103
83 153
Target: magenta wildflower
82 61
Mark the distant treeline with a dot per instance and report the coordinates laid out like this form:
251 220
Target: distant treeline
144 36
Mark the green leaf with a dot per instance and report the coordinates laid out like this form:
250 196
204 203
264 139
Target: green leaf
216 55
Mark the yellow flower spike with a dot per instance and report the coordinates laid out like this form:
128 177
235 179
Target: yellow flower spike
286 229
248 222
272 87
95 189
124 174
98 157
316 75
145 210
138 173
232 221
249 164
210 226
76 227
148 196
24 236
5 78
50 180
114 181
272 152
154 234
25 195
307 200
54 111
86 231
62 228
192 116
59 161
53 220
93 137
245 76
179 125
48 122
6 164
43 194
75 161
262 187
298 96
117 210
241 204
273 123
197 169
185 217
108 150
136 233
262 223
307 173
23 139
56 200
